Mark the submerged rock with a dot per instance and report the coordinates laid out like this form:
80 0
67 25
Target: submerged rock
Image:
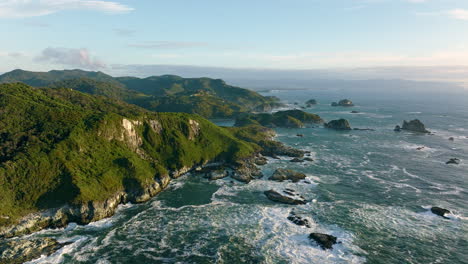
453 161
364 129
287 196
286 174
300 135
308 159
298 220
440 211
323 240
340 124
354 112
23 250
414 126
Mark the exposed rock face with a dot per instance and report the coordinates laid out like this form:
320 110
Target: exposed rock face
84 213
340 124
246 172
194 129
217 174
285 174
453 161
414 126
440 211
287 196
344 102
23 250
323 240
155 126
298 220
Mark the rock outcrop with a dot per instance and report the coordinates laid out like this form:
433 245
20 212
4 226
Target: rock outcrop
414 126
23 250
311 102
397 128
344 102
323 240
340 124
286 174
440 211
298 220
286 196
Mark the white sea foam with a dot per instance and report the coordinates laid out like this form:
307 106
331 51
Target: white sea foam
58 257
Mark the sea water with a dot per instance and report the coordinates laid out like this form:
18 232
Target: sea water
373 190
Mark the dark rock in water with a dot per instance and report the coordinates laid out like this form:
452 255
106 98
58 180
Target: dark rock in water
420 148
300 135
397 128
296 160
453 161
285 174
308 159
286 197
23 250
354 112
298 220
296 103
323 240
364 129
344 102
311 102
340 124
440 211
414 126
451 139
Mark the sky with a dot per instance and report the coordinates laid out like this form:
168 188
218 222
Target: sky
125 35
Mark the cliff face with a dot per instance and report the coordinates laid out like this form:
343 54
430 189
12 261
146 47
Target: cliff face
67 156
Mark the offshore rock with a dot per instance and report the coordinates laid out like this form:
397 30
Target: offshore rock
323 240
344 102
340 124
286 174
296 160
298 220
440 211
287 196
453 161
397 128
414 126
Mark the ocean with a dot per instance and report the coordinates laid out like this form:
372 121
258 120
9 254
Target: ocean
373 190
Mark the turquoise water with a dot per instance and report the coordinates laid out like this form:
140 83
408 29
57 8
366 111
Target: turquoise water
371 189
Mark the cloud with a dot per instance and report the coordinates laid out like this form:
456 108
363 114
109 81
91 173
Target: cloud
459 13
167 45
124 32
32 8
71 57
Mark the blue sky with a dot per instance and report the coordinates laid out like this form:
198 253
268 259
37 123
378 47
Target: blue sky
272 34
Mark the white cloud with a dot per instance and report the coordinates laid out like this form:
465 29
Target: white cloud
31 8
459 13
71 57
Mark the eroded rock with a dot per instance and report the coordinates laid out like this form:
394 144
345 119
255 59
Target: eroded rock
286 174
325 241
287 196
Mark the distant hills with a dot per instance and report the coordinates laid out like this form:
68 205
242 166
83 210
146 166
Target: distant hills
210 98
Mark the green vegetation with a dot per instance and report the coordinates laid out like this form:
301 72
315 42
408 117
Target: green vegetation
288 118
62 146
210 98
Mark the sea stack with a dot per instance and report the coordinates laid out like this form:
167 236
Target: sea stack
344 102
340 124
414 126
